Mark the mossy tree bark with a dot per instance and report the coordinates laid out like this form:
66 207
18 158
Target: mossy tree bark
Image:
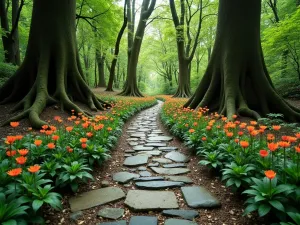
51 72
117 50
131 87
101 68
236 80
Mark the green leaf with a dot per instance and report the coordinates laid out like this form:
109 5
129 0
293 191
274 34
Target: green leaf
74 187
263 210
10 222
250 208
277 204
36 204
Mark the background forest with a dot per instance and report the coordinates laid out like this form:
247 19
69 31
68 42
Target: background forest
98 23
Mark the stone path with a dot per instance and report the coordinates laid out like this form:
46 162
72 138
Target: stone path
156 170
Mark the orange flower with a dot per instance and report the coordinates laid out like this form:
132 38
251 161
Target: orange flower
85 125
250 128
10 139
240 133
57 118
263 153
244 144
21 160
69 149
18 137
34 169
83 140
14 172
253 123
109 129
270 137
55 137
89 134
195 123
48 132
208 127
263 127
38 142
284 144
297 135
45 127
203 138
229 134
51 145
285 138
254 133
276 127
83 145
191 131
297 148
270 174
234 116
69 129
292 139
14 124
11 153
23 152
236 140
272 146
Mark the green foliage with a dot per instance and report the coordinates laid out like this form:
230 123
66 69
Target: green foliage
6 71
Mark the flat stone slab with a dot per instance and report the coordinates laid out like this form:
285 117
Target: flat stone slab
143 220
145 174
179 222
124 177
127 155
121 222
138 135
140 179
161 138
153 164
162 160
167 148
111 213
156 144
140 200
177 157
156 185
142 148
174 165
129 151
185 214
136 160
183 179
132 139
94 198
170 171
199 197
154 152
132 143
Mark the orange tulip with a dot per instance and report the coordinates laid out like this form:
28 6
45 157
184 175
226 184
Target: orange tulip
83 145
21 160
69 129
55 137
272 146
109 129
83 140
276 127
23 152
34 169
11 153
51 145
89 134
45 127
229 134
14 172
284 144
191 131
270 174
14 124
203 138
270 137
38 142
10 139
297 148
244 144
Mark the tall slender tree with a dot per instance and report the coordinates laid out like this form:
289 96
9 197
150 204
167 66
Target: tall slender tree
51 72
236 80
131 88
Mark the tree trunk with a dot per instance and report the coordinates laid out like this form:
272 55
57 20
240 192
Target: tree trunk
208 52
15 35
117 50
131 88
101 68
51 72
236 80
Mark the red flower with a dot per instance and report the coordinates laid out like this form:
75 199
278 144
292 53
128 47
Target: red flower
263 153
244 144
270 174
14 172
11 153
203 138
83 145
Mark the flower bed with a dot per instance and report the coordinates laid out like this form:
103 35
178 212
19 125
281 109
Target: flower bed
253 158
34 166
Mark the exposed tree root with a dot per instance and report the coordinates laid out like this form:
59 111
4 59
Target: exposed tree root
183 92
131 89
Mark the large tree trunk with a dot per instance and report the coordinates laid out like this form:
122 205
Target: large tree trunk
236 79
101 68
15 35
117 50
131 88
51 71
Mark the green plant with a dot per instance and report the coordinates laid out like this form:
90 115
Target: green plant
266 196
237 176
72 174
212 159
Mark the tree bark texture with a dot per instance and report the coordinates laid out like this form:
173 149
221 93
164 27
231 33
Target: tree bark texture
51 72
236 80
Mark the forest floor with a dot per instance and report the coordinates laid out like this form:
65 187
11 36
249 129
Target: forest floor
232 204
